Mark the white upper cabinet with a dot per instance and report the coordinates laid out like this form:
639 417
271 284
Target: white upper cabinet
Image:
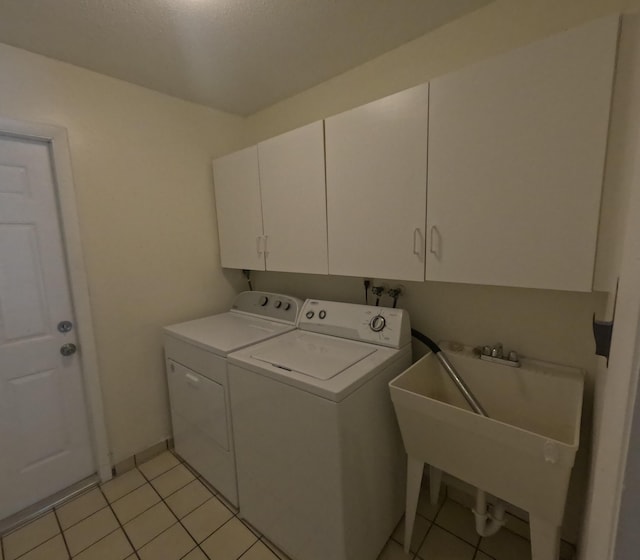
292 183
516 154
239 210
271 204
376 157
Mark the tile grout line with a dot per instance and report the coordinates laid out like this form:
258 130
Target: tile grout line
252 545
54 511
279 554
120 525
22 555
397 541
64 539
191 550
79 520
433 522
147 481
207 486
475 546
162 500
96 542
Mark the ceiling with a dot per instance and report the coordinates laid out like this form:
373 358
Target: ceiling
238 56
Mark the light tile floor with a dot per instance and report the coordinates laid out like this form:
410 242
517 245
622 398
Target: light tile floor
162 510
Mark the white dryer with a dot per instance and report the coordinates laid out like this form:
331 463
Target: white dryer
196 364
320 459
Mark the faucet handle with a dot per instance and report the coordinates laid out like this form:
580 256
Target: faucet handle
497 351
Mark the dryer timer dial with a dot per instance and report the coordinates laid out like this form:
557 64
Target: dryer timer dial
377 323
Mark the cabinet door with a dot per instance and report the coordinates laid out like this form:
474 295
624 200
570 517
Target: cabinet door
238 208
376 187
294 206
516 154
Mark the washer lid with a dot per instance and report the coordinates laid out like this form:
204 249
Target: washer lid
321 358
226 332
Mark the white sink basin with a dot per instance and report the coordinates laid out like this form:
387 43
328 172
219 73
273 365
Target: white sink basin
522 453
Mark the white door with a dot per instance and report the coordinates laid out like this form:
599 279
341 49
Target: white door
294 203
377 187
239 210
44 436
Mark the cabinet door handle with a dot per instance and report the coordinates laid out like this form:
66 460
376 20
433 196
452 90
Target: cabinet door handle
418 246
265 250
436 242
192 379
259 244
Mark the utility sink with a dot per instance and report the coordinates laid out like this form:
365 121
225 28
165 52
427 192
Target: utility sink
522 453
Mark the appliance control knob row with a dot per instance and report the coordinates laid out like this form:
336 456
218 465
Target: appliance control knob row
377 323
282 304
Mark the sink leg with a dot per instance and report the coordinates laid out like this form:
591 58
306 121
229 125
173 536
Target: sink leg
545 539
414 481
435 480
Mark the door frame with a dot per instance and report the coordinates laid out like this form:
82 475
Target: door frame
625 350
57 139
600 532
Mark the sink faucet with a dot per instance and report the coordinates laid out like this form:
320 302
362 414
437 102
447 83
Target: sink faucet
495 353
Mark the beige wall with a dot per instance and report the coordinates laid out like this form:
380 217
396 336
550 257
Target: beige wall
549 325
501 26
141 163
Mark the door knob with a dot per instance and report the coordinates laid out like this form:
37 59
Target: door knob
68 349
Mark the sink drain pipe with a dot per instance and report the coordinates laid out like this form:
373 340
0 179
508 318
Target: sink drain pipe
487 522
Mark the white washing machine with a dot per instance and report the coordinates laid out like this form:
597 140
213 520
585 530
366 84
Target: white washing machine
320 459
196 364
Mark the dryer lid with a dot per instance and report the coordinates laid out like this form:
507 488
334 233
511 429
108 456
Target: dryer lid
316 356
226 332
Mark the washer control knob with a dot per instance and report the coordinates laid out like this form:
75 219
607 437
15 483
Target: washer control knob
277 304
377 323
322 314
286 306
263 300
309 314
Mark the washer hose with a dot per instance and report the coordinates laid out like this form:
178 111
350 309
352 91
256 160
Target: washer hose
455 376
486 523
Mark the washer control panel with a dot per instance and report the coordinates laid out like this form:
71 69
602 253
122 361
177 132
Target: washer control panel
367 323
278 307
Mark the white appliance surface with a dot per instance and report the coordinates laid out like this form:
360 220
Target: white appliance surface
196 366
313 355
320 460
328 366
227 332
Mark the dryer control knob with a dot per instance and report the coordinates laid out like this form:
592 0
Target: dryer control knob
287 306
263 300
277 304
310 314
377 323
